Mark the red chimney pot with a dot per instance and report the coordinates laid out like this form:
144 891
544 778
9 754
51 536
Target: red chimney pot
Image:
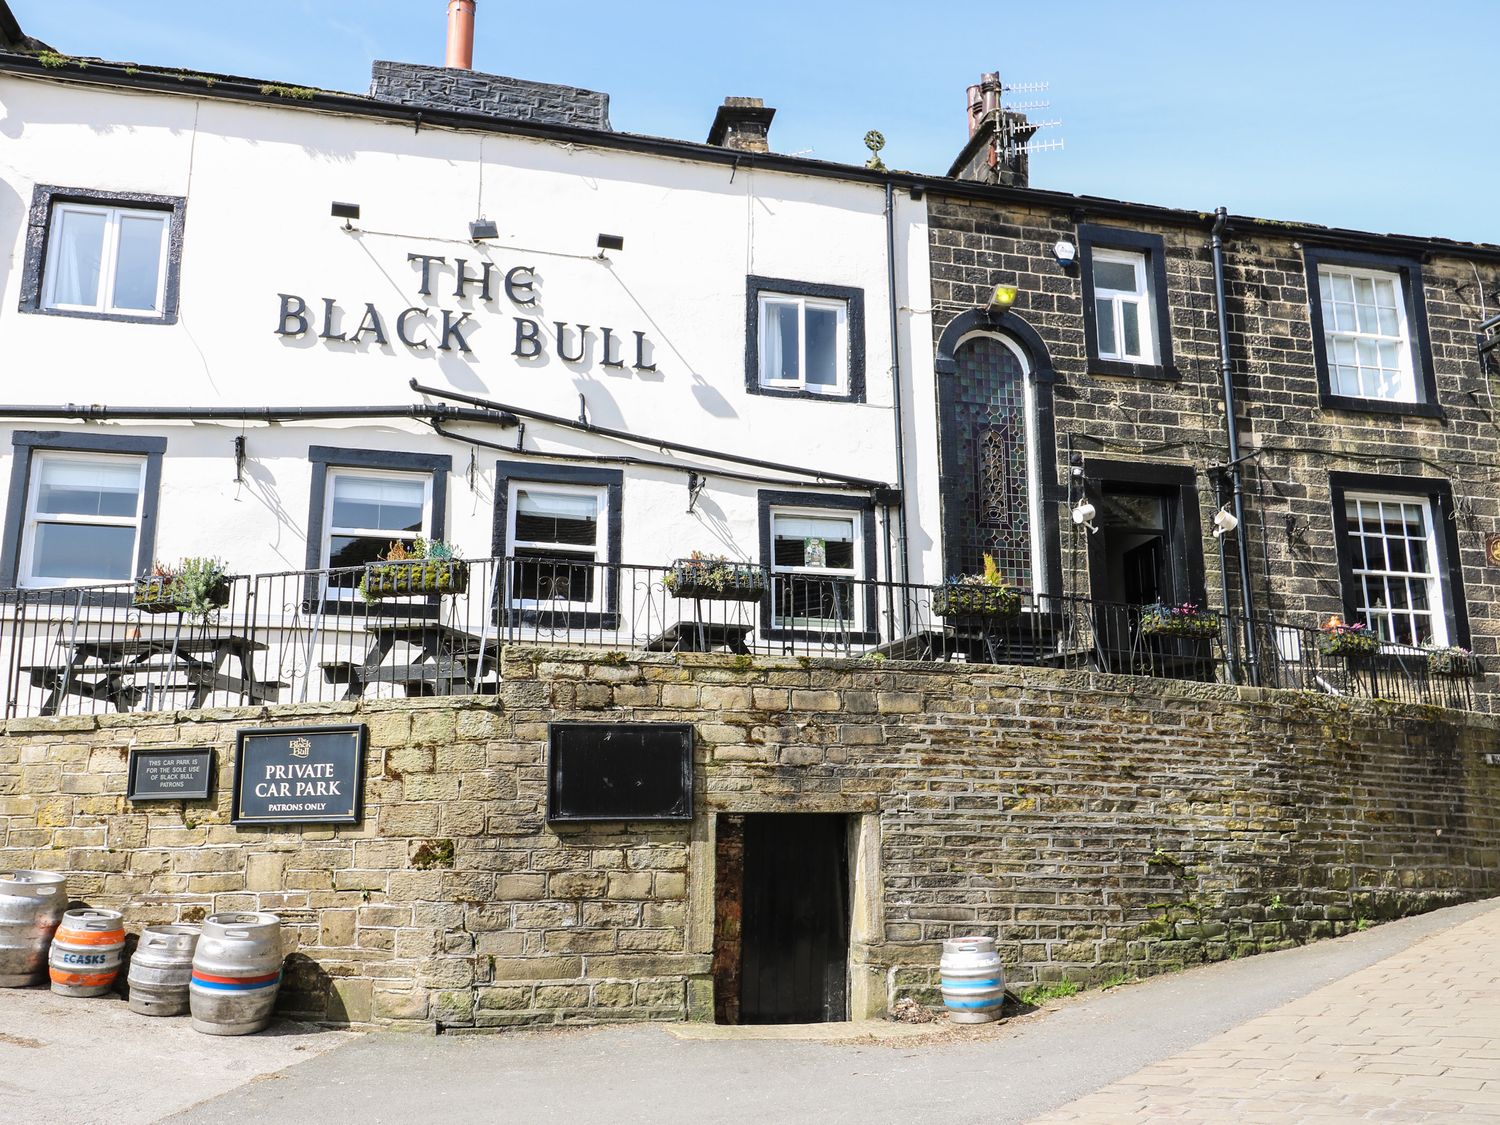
460 35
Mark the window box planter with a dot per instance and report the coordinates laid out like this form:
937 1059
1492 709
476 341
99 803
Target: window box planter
1347 641
410 577
977 600
158 593
1179 621
716 580
1455 663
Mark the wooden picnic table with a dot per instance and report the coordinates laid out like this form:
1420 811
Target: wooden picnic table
123 670
445 658
701 636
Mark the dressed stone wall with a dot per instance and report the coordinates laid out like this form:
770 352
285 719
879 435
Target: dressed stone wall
1096 825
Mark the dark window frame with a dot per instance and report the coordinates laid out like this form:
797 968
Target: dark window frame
1419 340
613 480
325 457
26 443
1179 484
853 298
1439 496
39 231
767 499
1153 246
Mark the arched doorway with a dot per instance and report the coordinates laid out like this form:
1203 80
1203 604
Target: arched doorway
988 436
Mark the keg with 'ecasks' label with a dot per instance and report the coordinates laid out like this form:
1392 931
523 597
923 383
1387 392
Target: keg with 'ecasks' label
236 973
31 906
86 949
160 969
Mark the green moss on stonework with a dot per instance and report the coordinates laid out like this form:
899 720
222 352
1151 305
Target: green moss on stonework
434 853
296 93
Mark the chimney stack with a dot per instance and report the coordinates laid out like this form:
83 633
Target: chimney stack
743 124
993 154
460 35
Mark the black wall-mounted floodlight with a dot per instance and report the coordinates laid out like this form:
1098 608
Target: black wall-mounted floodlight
346 211
611 242
482 229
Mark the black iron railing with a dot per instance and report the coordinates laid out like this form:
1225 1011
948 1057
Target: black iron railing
439 628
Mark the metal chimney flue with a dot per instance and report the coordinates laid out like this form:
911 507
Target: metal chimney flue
460 35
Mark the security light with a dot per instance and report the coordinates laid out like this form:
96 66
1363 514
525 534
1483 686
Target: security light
1003 297
482 229
346 211
611 242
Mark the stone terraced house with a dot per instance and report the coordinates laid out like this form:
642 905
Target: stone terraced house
714 577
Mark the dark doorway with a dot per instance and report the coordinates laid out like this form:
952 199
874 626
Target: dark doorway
792 929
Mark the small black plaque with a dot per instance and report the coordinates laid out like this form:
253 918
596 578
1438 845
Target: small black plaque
299 775
620 771
166 773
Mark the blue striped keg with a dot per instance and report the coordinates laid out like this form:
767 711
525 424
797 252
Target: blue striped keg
973 981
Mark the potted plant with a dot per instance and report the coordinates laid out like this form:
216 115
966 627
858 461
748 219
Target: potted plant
1338 639
715 578
195 586
984 595
1453 661
425 566
1185 620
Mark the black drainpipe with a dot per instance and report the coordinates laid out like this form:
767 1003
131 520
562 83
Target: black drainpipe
902 573
1231 425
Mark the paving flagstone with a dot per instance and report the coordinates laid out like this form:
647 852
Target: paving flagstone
1415 1037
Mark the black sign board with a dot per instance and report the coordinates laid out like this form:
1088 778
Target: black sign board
165 773
299 775
620 771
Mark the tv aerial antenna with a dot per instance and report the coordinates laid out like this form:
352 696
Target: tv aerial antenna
1017 137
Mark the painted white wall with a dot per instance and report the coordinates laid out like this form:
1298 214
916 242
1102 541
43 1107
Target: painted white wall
259 181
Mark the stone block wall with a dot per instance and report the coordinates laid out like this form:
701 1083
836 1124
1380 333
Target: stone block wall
1293 559
1096 825
472 91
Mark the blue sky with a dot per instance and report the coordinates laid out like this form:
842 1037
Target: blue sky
1358 113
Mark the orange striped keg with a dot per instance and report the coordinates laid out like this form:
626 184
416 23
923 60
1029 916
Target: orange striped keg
86 950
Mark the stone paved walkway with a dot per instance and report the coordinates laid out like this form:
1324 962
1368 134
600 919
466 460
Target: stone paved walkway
1415 1037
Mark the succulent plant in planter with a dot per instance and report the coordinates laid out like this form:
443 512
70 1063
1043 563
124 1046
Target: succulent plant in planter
984 595
1454 661
1338 639
1185 620
426 566
194 586
715 578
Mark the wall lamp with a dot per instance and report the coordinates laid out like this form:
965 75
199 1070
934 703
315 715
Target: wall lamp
481 230
1002 297
1066 253
1083 516
1224 522
346 211
610 242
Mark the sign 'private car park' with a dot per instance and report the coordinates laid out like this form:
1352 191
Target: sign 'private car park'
299 775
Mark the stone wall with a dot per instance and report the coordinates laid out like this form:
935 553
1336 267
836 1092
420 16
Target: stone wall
472 91
1096 825
1294 564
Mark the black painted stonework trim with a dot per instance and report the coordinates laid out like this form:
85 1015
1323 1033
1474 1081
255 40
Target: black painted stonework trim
507 472
324 457
1439 495
854 298
1091 237
1043 376
1410 272
38 227
768 499
26 442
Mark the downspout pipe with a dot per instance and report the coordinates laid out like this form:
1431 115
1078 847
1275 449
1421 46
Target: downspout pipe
902 570
1231 425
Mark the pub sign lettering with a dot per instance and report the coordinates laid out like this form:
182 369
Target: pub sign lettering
299 775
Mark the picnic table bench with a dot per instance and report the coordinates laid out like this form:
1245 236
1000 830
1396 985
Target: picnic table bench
447 660
122 671
701 636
